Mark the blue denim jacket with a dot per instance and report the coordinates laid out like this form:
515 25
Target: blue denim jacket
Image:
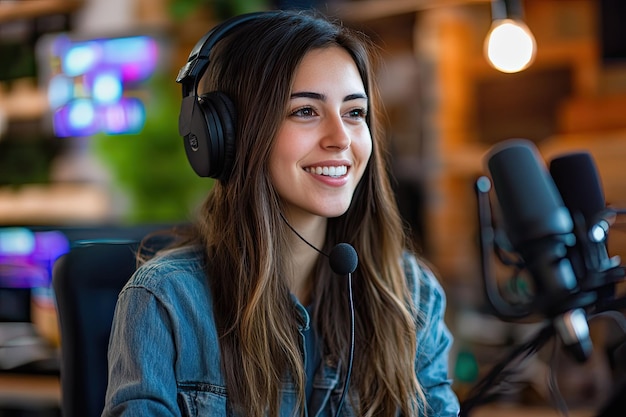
164 358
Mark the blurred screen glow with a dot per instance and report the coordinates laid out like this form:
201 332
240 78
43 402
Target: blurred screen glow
107 88
27 256
96 85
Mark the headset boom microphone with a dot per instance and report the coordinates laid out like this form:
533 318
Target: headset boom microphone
343 260
540 230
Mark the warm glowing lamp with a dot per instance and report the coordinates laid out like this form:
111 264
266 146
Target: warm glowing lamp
510 46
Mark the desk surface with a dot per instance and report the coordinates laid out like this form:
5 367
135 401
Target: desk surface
34 390
517 411
45 391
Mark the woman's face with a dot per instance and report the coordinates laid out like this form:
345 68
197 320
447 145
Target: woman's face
324 143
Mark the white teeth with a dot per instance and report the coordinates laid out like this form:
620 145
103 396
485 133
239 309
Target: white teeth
329 171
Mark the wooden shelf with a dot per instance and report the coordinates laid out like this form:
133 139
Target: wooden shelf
364 10
24 101
54 204
15 10
600 113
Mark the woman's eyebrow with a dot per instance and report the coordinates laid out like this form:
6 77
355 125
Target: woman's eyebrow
309 94
355 96
322 97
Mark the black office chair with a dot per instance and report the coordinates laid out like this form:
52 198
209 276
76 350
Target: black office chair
86 282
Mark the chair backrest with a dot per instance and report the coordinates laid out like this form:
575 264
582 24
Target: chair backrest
86 283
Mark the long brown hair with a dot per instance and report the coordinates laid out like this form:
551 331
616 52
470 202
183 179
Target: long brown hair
245 239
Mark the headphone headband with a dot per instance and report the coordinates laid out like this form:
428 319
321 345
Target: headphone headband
199 58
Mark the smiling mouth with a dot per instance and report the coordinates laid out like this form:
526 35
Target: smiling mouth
332 171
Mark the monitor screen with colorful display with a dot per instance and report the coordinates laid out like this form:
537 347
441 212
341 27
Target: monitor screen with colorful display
27 256
98 85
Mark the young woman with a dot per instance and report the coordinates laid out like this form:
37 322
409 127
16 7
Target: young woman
245 317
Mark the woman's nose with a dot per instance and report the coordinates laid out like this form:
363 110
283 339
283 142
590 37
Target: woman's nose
336 134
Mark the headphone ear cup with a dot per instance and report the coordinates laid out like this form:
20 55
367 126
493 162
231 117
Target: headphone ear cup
193 127
210 140
226 117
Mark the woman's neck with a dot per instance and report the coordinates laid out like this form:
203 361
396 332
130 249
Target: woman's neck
313 230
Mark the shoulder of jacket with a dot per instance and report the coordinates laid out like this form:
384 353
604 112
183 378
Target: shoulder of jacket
169 268
425 288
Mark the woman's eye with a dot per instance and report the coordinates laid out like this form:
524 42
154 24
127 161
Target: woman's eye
303 112
357 113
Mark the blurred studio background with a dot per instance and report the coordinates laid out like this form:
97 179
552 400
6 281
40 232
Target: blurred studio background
89 148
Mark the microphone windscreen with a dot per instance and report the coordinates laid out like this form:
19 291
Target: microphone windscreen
578 181
530 203
343 259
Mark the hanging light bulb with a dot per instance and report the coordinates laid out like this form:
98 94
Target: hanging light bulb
510 45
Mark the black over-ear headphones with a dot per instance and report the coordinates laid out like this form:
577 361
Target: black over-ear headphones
208 122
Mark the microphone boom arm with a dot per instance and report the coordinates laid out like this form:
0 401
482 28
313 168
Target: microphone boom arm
503 309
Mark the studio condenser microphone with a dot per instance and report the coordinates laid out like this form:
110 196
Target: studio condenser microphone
577 178
541 230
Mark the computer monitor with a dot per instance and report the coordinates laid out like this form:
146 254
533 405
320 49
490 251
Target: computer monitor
27 256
